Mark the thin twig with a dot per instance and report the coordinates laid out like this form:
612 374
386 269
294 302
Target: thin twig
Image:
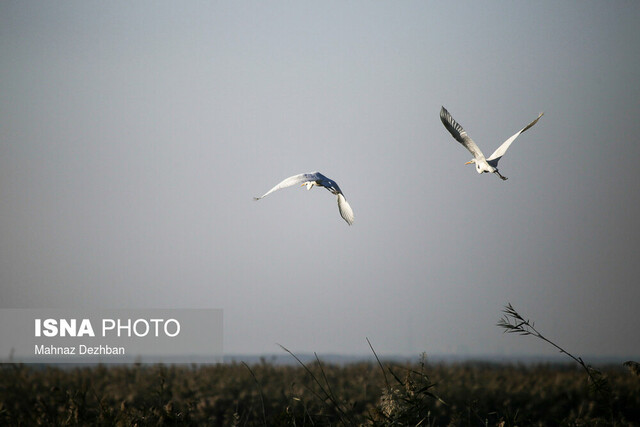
513 322
379 363
264 415
328 395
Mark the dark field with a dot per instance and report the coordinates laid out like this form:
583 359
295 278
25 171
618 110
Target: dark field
354 394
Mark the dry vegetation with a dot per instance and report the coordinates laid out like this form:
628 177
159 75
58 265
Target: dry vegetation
319 394
316 394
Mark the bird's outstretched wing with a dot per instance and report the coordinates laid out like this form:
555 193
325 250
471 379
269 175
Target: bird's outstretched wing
345 209
497 155
459 133
327 183
292 180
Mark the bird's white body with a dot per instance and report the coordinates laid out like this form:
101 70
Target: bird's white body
483 165
312 179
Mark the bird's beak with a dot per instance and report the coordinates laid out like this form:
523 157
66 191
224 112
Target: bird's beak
469 162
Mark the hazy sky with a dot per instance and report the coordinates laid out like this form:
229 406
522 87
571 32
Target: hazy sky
133 137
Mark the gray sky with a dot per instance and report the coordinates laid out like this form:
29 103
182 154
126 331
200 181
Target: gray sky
133 137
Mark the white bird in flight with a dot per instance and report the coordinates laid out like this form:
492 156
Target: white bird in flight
316 178
482 165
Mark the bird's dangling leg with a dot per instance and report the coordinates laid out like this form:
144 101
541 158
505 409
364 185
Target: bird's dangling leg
504 178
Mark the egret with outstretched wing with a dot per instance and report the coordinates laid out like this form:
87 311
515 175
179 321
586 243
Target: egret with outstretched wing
316 178
482 165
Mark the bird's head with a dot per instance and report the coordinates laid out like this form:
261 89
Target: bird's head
481 166
309 184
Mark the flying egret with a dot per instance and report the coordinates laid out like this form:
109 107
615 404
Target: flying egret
482 165
316 178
